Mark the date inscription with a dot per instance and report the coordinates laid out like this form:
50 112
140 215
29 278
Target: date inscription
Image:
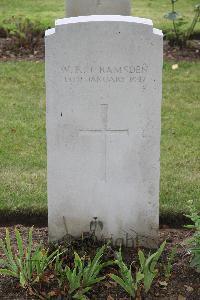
105 74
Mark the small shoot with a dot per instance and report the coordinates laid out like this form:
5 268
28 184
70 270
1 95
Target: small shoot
148 266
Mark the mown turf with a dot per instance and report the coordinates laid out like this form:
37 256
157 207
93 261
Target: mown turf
46 11
22 136
23 148
180 145
156 9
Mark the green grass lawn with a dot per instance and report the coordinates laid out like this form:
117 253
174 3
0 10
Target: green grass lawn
22 137
180 143
46 11
23 147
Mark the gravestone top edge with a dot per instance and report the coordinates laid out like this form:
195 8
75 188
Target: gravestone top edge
157 31
49 31
103 18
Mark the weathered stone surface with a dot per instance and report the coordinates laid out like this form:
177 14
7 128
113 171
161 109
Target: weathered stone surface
104 89
76 8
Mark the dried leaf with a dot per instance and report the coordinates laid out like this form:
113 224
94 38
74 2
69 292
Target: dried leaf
110 297
189 288
163 283
46 279
110 284
30 291
175 67
180 297
54 293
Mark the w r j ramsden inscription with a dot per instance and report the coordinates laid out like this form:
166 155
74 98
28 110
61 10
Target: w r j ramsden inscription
105 73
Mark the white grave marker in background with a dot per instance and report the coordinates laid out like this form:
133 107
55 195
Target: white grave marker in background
104 89
76 8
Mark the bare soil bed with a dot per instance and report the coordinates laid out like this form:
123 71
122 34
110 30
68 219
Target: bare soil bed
183 284
13 49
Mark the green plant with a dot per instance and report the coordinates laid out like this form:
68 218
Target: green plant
174 17
182 36
83 275
146 273
195 240
148 266
126 279
168 267
27 265
25 31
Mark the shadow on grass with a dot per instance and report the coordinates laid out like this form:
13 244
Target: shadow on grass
40 218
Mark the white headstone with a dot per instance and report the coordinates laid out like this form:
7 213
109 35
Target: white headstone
76 8
104 90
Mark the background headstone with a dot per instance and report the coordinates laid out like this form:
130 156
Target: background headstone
76 8
104 90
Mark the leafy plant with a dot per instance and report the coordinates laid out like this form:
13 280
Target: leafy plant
126 279
27 265
168 267
83 275
148 266
174 16
182 36
25 31
146 273
195 240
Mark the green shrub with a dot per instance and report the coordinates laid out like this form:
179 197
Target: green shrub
145 275
148 266
168 267
27 265
126 279
80 278
194 242
180 35
23 30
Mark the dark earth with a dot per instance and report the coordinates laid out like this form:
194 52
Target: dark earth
183 284
11 48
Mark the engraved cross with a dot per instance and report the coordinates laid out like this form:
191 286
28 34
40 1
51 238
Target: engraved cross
105 131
